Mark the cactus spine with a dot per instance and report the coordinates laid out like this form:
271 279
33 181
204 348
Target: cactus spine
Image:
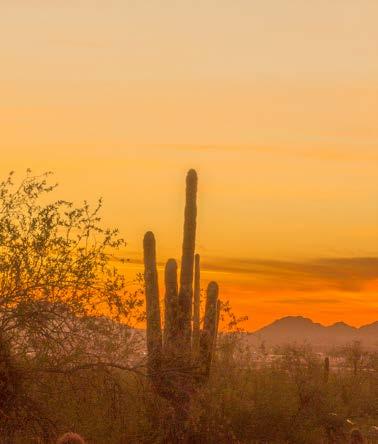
174 363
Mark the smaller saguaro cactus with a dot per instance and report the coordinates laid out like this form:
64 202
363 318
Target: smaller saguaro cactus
209 332
219 309
326 370
70 438
356 437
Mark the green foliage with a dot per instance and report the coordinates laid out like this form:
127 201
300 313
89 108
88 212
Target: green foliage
247 400
54 253
56 282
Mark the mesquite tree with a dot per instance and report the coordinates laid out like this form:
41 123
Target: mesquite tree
56 282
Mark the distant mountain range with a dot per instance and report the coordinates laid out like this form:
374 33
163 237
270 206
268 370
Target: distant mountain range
297 329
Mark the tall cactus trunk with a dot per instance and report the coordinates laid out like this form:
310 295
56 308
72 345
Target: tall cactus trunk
219 308
196 306
154 335
171 330
209 331
187 263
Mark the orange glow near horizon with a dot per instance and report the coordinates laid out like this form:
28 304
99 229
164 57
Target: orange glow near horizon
275 105
265 298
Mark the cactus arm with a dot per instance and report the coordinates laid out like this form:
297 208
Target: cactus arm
196 306
171 306
209 329
219 307
154 336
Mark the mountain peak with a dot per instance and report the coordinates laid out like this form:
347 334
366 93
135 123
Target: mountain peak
292 320
299 329
341 325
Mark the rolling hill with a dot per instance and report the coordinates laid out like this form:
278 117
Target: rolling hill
297 329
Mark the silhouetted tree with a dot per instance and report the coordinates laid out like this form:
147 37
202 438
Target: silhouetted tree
56 281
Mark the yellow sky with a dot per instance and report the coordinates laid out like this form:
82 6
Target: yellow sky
275 103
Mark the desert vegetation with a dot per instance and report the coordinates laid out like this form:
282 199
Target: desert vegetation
73 356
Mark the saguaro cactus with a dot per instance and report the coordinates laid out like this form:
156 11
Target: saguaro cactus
70 438
219 309
356 437
326 369
172 363
171 328
187 261
209 331
154 336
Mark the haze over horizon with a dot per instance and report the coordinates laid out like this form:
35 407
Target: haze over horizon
275 107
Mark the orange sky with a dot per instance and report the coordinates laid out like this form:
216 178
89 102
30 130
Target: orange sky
275 103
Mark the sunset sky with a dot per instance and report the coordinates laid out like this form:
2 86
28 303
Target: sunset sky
274 103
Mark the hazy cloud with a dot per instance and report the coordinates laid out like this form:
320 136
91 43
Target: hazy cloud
345 274
305 301
363 154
